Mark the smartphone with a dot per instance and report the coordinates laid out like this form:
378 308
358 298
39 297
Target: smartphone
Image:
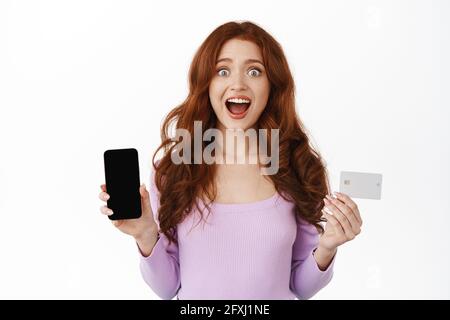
122 183
361 184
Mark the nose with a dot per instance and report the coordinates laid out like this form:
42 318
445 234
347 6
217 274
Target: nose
238 83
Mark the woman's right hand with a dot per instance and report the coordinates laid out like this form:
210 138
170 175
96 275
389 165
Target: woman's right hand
143 227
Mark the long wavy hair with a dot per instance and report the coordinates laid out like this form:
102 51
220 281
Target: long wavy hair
302 177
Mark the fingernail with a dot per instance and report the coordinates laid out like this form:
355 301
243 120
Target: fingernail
110 212
107 197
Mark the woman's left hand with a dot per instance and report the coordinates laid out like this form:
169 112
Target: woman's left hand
343 221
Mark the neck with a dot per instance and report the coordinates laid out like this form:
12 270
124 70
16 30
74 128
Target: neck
237 146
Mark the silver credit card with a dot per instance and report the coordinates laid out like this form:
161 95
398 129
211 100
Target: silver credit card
361 184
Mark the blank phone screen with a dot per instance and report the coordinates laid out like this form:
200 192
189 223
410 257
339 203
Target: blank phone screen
122 183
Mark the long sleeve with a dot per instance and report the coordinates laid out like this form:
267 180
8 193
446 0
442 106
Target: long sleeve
306 277
161 269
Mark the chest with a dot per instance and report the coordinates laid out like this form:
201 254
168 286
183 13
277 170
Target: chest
242 184
272 229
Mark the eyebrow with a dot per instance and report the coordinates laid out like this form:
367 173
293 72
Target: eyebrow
248 61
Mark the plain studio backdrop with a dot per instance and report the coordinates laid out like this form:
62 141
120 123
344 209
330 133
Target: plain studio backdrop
80 77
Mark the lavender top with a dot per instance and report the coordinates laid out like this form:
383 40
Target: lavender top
256 250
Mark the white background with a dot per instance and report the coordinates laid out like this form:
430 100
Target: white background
80 77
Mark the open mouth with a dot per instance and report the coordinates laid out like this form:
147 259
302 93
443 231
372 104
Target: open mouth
238 106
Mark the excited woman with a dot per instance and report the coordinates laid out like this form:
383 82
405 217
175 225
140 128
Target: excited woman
226 231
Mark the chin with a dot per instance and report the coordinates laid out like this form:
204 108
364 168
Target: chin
233 124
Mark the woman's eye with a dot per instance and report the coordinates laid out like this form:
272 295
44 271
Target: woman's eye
222 72
254 72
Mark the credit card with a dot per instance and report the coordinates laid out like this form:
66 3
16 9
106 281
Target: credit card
361 184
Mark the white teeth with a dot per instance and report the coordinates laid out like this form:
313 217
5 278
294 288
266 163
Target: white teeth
238 100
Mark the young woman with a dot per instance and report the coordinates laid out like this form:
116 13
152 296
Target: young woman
226 231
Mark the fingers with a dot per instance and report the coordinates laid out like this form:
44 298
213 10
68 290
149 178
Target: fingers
334 223
341 217
146 207
143 190
350 203
106 211
103 195
348 213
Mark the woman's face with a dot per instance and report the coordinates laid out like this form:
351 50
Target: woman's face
240 88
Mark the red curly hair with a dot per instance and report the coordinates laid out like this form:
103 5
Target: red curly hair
302 177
